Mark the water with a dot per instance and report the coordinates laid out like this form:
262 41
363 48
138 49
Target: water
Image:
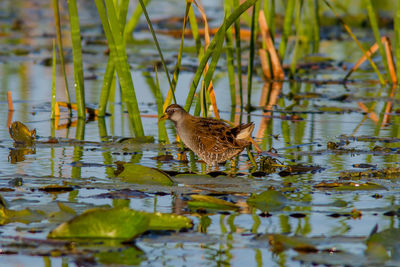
217 238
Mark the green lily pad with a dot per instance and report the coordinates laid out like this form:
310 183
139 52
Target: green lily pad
119 223
23 216
136 140
208 202
165 221
350 186
139 174
280 242
267 201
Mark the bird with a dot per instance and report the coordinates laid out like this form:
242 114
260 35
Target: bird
214 141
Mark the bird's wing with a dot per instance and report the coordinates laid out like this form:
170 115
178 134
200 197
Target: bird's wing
216 136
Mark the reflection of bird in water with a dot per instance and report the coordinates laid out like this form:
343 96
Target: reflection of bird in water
212 140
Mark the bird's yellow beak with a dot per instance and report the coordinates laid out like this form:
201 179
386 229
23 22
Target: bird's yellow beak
163 117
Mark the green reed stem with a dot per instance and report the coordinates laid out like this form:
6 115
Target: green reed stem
373 20
253 34
116 43
162 131
195 29
77 55
315 24
171 91
53 83
287 27
212 47
60 49
106 86
397 39
110 68
134 20
158 47
229 57
238 51
299 33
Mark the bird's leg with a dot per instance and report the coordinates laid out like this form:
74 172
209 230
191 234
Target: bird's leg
232 171
259 150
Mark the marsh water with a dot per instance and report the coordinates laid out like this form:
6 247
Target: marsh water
317 123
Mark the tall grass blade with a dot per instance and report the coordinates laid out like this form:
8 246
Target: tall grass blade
106 86
195 29
210 88
110 68
315 22
229 56
155 89
60 48
299 34
213 44
349 31
53 84
253 34
238 51
77 54
158 47
134 20
116 43
375 28
287 27
178 60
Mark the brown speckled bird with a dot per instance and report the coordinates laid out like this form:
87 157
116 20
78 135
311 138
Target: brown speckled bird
212 140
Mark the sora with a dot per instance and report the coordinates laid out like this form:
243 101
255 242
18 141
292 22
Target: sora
212 140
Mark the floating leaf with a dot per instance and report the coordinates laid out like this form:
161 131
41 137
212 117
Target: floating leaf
21 134
280 243
56 188
65 213
136 140
119 223
24 216
208 202
350 186
139 174
300 169
267 201
165 221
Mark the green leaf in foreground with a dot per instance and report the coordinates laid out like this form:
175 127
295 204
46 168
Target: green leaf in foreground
119 223
267 201
139 174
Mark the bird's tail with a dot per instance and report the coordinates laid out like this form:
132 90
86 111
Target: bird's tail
244 131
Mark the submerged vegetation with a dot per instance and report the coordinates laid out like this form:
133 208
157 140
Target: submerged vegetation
318 77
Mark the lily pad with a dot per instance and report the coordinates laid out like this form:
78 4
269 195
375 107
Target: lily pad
165 221
139 174
268 201
350 186
208 202
136 140
118 223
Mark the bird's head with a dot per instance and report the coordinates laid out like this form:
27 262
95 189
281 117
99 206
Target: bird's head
174 113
